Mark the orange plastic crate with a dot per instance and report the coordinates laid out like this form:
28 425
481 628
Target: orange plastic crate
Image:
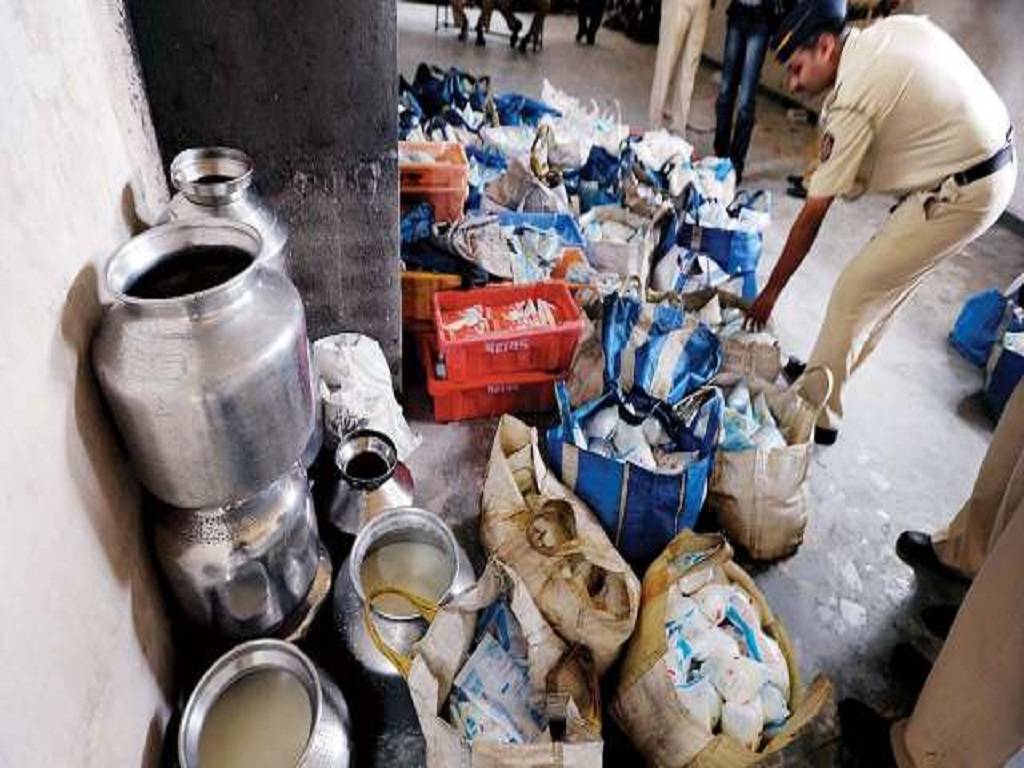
444 184
487 395
418 289
541 350
450 168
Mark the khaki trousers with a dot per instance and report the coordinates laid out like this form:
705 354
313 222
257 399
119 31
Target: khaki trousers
971 711
998 492
684 23
925 229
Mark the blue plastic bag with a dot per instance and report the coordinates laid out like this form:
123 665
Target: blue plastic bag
641 510
1006 375
418 223
977 326
655 348
516 109
562 224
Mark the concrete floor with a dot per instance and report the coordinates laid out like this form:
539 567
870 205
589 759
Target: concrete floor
915 431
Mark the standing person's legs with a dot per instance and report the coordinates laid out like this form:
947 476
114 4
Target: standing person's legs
536 26
732 65
925 229
998 492
459 17
971 710
596 17
687 70
675 17
757 47
505 9
483 21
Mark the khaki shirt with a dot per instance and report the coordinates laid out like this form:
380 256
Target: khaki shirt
909 109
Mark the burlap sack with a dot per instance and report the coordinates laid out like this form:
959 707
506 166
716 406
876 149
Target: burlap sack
581 584
751 356
762 495
565 680
646 705
586 373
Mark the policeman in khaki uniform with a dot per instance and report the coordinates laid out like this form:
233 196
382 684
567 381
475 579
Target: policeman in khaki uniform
971 708
908 114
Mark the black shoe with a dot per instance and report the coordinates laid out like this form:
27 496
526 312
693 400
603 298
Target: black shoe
825 436
865 733
523 43
464 32
794 369
580 35
915 549
911 666
793 180
938 619
798 191
591 40
480 41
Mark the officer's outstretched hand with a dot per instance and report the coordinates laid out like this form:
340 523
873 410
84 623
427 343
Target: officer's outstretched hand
761 310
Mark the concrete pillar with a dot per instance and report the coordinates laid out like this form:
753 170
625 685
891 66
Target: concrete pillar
309 91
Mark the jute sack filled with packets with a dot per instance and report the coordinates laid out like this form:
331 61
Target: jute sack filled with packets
692 692
753 355
562 684
577 578
761 491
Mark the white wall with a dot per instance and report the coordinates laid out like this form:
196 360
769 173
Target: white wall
989 32
84 657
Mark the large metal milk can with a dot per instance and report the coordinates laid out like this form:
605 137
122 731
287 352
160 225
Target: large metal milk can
204 361
217 182
242 569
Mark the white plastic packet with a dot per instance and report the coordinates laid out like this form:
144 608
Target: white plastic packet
656 148
736 678
743 721
354 387
490 699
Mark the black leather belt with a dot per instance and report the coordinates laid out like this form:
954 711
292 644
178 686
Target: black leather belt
987 167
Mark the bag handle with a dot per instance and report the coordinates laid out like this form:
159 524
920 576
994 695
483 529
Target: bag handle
427 609
826 389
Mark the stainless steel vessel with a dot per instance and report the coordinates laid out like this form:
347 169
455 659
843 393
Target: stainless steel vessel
217 182
329 744
242 569
204 361
398 631
371 480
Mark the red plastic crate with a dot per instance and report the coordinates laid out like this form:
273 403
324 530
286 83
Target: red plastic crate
488 395
544 350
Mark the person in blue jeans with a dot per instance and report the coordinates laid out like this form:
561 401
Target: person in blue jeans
751 24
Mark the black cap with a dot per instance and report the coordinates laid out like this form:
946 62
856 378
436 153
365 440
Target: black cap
807 19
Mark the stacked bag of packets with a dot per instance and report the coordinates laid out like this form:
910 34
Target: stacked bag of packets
760 483
709 677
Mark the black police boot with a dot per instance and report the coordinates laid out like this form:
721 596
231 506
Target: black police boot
794 369
797 190
865 733
915 549
938 619
825 435
480 41
911 666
